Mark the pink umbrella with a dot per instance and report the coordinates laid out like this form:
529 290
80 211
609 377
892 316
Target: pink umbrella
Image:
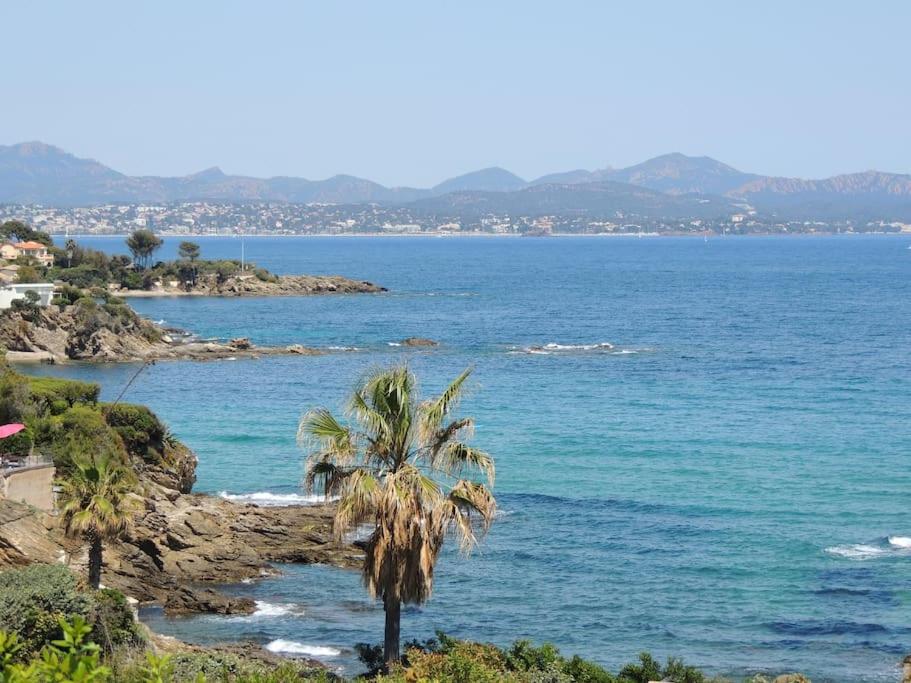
9 430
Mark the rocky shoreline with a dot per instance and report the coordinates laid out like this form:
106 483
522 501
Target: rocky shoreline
112 334
184 545
250 285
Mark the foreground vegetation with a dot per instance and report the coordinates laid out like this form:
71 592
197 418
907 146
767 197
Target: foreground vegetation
87 268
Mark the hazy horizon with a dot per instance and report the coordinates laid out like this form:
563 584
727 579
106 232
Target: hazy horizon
412 94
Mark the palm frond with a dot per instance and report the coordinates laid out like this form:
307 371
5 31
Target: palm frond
322 427
434 411
454 457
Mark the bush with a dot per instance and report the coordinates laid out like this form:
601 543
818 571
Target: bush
264 275
35 598
32 600
79 432
82 276
142 432
48 391
18 444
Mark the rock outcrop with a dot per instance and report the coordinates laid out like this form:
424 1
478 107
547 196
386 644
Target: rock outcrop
419 341
183 541
88 332
251 285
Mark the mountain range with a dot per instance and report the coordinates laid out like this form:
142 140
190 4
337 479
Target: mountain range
669 185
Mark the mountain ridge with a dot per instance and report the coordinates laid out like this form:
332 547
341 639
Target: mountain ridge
37 173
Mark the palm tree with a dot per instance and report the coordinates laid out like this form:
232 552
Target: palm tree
381 467
96 502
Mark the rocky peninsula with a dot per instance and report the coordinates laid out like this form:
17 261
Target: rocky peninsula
108 330
251 284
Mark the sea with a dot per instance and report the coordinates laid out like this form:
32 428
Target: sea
702 446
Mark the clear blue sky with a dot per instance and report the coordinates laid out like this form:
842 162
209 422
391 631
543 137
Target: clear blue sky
409 93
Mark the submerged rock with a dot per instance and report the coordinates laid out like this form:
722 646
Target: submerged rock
419 341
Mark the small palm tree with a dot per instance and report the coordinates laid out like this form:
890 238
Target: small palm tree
96 502
381 469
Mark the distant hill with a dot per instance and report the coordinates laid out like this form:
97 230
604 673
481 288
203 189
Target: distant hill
488 180
680 174
602 199
37 173
869 195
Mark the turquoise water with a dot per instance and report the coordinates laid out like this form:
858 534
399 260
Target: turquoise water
729 482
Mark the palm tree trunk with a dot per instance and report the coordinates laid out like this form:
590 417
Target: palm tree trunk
95 560
393 609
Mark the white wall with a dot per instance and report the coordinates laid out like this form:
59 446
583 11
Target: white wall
8 293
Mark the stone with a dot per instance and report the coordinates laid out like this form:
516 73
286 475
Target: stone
419 341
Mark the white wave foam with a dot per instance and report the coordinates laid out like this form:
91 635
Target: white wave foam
393 343
291 647
267 499
858 551
343 348
891 545
268 609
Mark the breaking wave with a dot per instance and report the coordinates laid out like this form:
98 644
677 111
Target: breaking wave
267 499
552 349
291 647
889 546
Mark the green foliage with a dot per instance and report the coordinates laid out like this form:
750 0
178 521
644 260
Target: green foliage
22 232
264 275
33 599
188 250
143 244
28 274
142 432
18 444
79 433
45 391
113 623
83 275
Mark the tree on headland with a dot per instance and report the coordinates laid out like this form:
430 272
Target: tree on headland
142 244
189 251
23 232
381 469
96 504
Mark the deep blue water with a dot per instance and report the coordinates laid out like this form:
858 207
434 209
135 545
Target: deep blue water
723 485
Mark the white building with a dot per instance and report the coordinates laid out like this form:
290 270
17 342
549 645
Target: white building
9 293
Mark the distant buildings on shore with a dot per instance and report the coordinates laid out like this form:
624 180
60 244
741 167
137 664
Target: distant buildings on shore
264 218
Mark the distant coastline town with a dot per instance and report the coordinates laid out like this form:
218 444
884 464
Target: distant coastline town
272 218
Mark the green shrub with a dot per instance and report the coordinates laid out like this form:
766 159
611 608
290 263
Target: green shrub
35 598
46 390
142 432
18 444
82 276
79 432
264 275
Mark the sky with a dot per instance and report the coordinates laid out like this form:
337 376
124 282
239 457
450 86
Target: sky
410 93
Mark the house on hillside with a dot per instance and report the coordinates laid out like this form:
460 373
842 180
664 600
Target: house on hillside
12 251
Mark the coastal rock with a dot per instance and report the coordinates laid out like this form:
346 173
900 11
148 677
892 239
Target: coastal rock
188 601
182 541
249 284
92 333
419 341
